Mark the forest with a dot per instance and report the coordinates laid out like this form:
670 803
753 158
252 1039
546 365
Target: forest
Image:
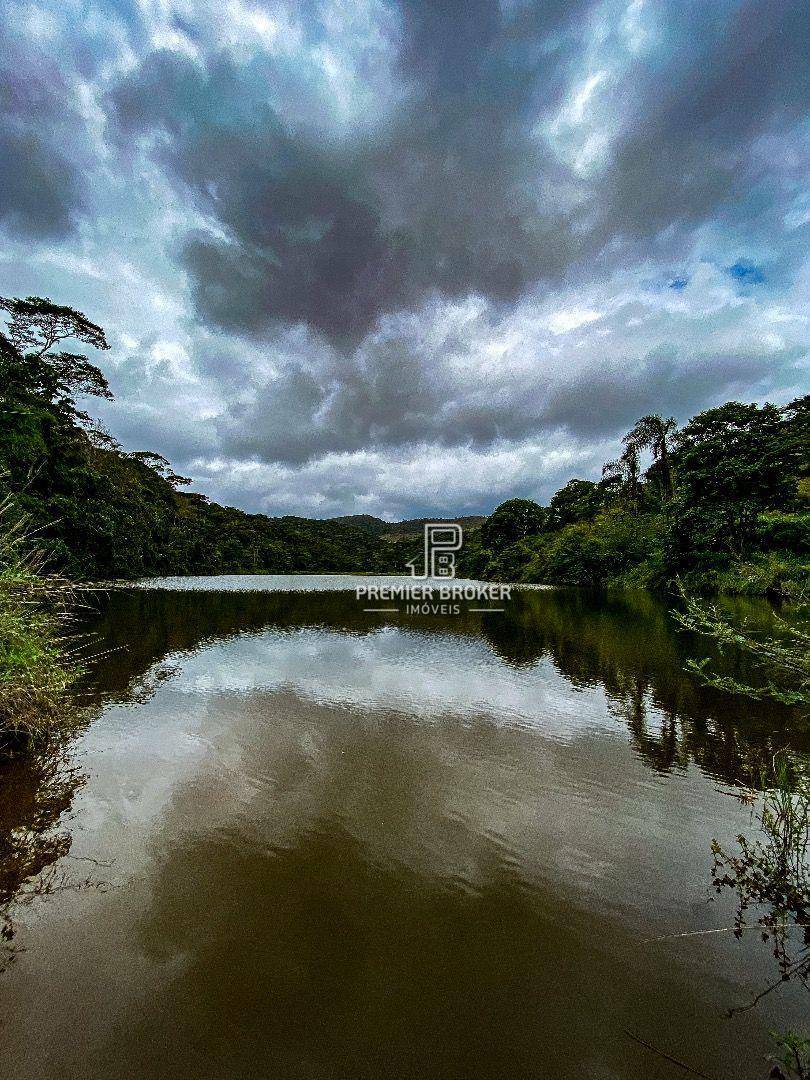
720 503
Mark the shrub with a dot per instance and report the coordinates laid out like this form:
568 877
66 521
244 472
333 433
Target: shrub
600 552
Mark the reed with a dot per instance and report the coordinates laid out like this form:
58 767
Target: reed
38 659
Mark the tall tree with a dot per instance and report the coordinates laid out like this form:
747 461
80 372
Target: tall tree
654 433
626 471
733 463
579 500
32 363
512 521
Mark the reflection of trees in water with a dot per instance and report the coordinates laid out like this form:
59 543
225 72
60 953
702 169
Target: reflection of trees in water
627 644
36 790
664 749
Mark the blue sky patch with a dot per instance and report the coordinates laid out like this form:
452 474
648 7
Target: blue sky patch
746 273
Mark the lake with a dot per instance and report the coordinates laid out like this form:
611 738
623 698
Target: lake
300 840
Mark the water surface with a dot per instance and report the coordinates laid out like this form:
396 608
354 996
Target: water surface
302 840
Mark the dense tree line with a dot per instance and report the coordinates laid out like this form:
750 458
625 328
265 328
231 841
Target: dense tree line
103 513
727 491
721 504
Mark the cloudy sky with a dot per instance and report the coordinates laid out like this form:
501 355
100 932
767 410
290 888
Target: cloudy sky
411 256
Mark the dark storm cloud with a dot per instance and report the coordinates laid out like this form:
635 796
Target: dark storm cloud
465 49
39 189
607 401
456 193
404 231
305 240
396 392
47 154
40 186
447 44
444 198
722 84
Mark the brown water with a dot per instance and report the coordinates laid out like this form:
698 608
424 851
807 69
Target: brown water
301 841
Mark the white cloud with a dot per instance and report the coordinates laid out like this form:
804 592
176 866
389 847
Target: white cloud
562 322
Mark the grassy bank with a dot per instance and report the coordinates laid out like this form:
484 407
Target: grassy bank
36 668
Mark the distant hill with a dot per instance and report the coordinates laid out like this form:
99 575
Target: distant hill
408 525
407 529
399 529
367 522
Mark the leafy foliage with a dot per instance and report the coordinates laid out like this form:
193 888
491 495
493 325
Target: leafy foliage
722 506
771 872
513 520
654 433
784 656
794 1055
733 464
579 500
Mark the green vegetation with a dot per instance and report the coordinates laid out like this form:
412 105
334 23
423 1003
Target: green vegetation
771 873
794 1055
721 504
722 507
783 657
101 513
35 672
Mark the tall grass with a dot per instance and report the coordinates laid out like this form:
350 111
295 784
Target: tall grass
36 663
